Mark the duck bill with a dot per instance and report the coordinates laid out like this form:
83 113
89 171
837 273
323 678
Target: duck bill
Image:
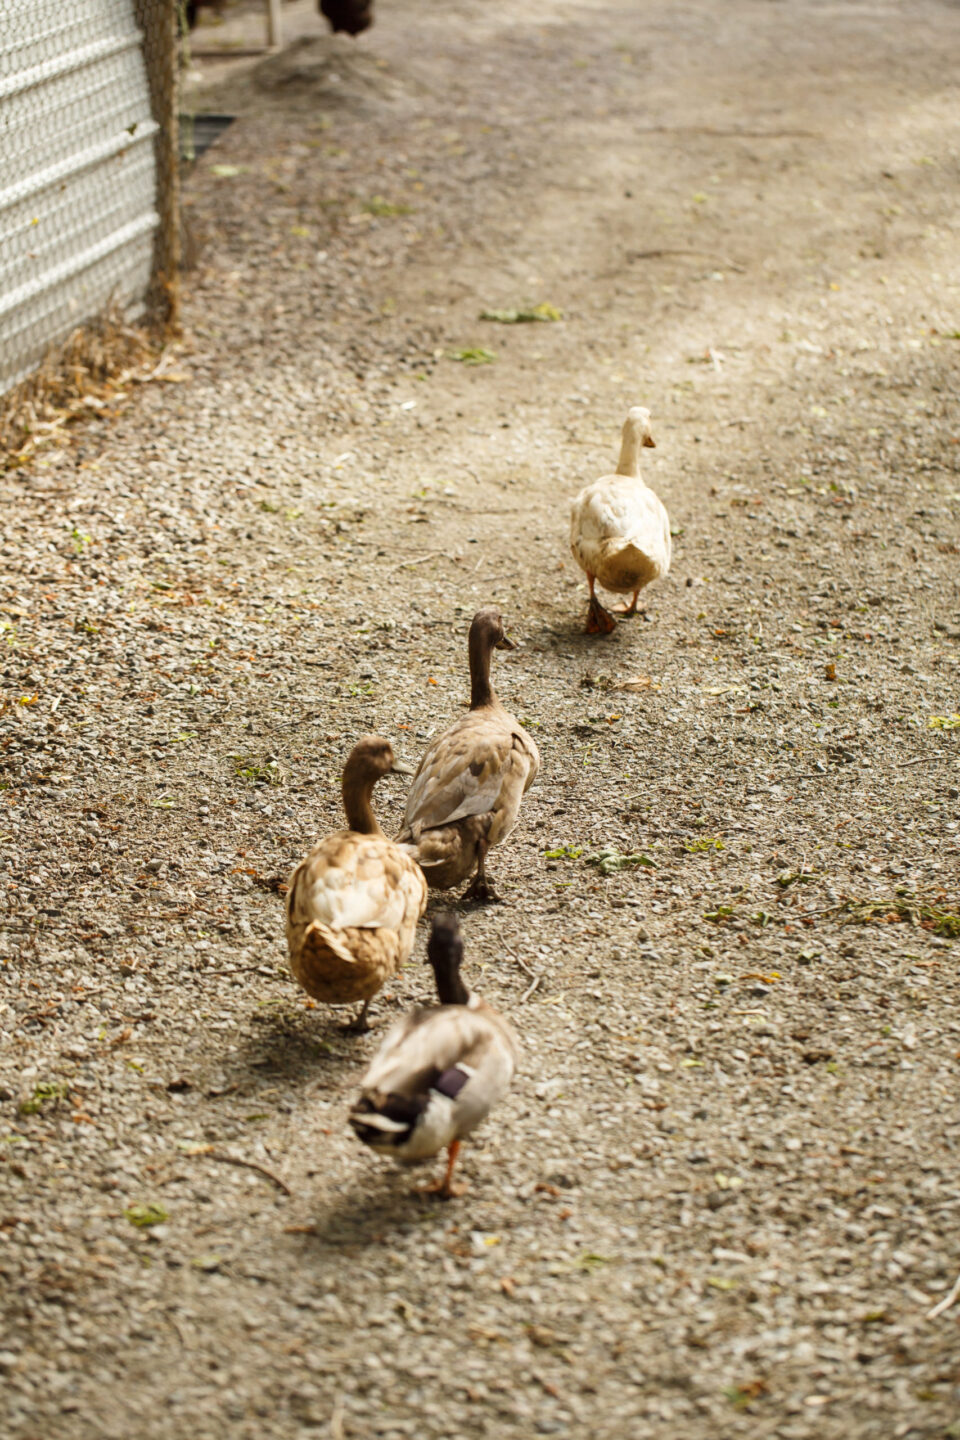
399 768
504 643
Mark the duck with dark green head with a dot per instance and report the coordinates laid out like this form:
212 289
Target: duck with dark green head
440 1071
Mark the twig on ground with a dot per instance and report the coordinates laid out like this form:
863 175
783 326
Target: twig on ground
524 966
420 560
240 970
530 989
659 254
251 1165
522 963
730 134
946 1302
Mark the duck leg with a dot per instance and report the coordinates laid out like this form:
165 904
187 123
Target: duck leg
480 887
627 610
599 620
447 1188
359 1025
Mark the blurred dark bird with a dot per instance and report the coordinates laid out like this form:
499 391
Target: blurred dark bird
193 7
349 15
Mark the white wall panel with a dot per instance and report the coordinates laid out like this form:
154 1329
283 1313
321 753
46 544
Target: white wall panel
77 171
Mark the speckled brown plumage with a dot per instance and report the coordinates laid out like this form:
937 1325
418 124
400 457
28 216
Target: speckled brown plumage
354 901
466 794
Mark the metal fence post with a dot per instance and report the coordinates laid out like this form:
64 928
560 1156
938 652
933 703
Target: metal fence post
158 19
273 24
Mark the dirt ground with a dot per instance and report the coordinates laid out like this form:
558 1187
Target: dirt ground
723 1198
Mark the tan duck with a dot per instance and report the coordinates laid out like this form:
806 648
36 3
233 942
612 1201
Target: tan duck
619 529
354 902
466 794
440 1071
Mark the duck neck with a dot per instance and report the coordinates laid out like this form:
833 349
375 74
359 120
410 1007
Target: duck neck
357 790
450 987
481 691
629 462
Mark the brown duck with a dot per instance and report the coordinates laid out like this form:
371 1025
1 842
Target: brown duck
465 796
354 902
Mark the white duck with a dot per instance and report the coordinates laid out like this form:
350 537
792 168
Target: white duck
619 529
354 902
439 1072
466 794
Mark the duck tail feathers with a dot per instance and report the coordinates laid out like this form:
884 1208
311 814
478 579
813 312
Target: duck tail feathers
317 936
387 1119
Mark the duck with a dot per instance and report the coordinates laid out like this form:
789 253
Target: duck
619 529
439 1072
466 793
354 901
353 16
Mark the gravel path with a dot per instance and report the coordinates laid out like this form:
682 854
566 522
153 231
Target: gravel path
723 1197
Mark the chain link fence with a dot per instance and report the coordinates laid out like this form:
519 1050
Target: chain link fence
88 169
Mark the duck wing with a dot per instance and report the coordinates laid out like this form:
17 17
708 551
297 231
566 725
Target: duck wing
470 769
428 1044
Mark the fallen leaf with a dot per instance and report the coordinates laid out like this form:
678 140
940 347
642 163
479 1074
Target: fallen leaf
543 311
609 861
143 1216
591 1261
380 207
639 682
473 355
207 1263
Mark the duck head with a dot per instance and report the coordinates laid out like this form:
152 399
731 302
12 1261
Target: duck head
486 630
369 760
636 433
638 424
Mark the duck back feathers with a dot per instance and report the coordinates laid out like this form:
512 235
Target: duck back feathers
465 771
620 532
439 1074
353 903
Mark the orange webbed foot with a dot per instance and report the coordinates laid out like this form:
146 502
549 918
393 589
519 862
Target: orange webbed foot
447 1188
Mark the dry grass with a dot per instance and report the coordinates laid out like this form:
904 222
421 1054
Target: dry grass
85 374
